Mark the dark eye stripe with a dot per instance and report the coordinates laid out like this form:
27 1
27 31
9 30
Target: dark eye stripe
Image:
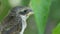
22 13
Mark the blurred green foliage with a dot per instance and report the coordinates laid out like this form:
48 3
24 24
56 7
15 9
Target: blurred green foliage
4 8
56 30
41 10
55 9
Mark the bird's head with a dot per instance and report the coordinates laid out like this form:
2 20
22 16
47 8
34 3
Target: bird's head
23 12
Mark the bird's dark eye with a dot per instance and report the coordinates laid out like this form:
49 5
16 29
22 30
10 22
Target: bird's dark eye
25 11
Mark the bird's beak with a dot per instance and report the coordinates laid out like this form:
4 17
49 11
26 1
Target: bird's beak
30 13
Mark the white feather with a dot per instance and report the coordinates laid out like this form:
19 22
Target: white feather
24 24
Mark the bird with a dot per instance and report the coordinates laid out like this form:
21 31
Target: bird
21 14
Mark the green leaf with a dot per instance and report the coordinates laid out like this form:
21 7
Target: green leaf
56 30
41 10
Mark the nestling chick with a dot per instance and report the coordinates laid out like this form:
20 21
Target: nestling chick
23 13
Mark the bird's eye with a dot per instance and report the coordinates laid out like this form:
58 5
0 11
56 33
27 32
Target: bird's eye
25 11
